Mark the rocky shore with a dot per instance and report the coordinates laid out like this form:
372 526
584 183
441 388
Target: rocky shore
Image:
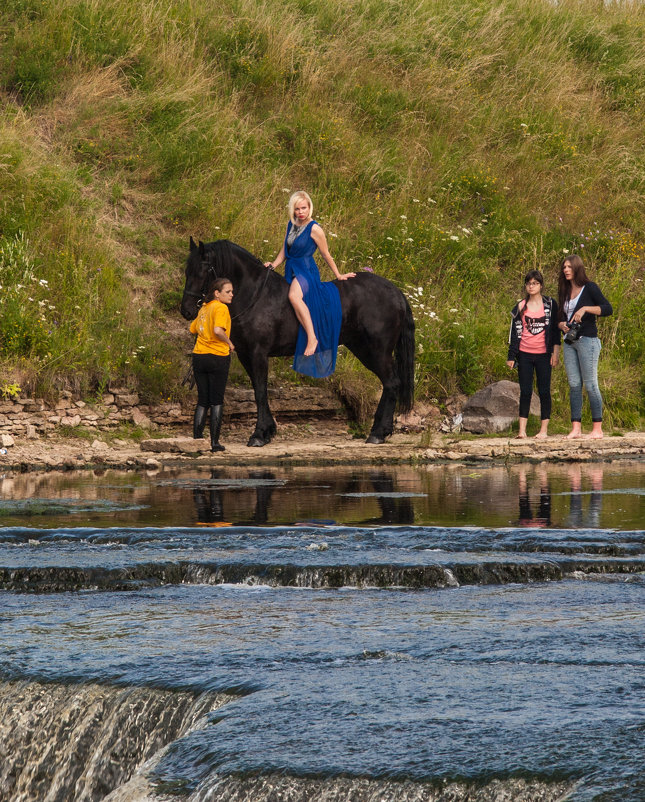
318 442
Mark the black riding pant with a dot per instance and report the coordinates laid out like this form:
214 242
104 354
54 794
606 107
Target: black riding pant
527 364
211 375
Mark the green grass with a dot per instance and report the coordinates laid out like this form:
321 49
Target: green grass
449 147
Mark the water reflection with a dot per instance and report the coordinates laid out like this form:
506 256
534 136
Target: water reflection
580 516
540 514
209 500
580 495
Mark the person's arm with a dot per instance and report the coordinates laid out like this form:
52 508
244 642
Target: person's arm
318 236
277 261
555 355
555 330
513 339
602 307
219 332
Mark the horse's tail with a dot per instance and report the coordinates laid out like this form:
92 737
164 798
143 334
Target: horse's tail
404 361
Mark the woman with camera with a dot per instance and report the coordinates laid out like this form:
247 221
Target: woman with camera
581 302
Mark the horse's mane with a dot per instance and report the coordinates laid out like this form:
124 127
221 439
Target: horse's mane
224 251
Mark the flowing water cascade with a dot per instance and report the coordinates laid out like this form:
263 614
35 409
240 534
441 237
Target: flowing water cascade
64 742
174 637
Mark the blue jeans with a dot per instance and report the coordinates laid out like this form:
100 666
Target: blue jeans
581 364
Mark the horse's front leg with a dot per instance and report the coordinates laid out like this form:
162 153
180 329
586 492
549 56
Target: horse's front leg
257 366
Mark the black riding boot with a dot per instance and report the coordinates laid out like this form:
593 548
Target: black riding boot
216 425
199 421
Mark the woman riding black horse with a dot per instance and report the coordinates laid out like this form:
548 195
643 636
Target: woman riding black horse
316 303
377 326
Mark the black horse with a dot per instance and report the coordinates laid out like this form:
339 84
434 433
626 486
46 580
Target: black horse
377 322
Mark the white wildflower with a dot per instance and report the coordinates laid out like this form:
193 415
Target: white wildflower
455 238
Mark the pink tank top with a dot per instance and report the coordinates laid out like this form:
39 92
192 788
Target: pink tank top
533 339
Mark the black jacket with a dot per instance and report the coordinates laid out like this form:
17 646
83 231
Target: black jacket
590 295
553 335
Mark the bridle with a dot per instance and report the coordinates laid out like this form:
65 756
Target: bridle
211 272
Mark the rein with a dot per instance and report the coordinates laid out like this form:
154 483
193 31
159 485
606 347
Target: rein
250 305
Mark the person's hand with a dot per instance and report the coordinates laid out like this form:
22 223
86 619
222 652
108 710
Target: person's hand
231 347
345 276
579 314
269 265
563 327
554 361
510 363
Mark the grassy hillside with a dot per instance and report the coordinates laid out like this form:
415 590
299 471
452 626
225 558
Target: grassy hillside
447 146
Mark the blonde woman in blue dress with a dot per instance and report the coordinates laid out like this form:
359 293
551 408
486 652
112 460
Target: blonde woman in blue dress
316 303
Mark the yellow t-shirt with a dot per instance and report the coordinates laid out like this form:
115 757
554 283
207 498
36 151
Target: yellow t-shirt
212 314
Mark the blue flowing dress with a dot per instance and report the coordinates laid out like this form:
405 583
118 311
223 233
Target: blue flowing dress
323 301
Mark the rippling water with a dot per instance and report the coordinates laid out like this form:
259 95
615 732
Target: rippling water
389 632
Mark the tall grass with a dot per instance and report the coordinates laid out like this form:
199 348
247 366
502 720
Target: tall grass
449 147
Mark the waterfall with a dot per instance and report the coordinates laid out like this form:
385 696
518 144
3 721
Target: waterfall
343 789
66 743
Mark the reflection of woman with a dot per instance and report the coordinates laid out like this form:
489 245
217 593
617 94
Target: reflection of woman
581 301
316 303
577 517
534 346
212 358
543 517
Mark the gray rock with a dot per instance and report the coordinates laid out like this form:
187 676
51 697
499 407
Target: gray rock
495 408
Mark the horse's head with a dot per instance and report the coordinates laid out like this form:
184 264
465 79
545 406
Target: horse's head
197 275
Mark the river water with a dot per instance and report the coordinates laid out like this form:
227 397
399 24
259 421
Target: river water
414 633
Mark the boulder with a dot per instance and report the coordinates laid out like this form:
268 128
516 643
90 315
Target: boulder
495 408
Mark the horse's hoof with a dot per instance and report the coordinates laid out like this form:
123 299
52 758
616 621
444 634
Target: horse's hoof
256 442
374 440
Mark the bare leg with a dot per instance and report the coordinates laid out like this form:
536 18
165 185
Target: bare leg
596 431
543 433
576 430
522 432
304 316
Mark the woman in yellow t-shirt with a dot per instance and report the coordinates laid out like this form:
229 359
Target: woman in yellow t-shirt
212 358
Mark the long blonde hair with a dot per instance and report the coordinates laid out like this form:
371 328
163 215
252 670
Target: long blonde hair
299 195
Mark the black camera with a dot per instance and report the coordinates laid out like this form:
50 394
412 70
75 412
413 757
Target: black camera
574 332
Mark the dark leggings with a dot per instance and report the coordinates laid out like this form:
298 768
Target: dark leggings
211 374
541 364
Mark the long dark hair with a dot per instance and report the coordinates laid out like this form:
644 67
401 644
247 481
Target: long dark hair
217 285
532 275
580 278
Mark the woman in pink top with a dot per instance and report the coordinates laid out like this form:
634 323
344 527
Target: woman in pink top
534 347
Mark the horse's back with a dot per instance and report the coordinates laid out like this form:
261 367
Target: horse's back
371 305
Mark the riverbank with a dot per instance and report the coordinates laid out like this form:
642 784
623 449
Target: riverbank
318 443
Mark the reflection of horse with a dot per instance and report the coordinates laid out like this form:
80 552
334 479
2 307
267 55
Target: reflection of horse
394 509
209 506
377 322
